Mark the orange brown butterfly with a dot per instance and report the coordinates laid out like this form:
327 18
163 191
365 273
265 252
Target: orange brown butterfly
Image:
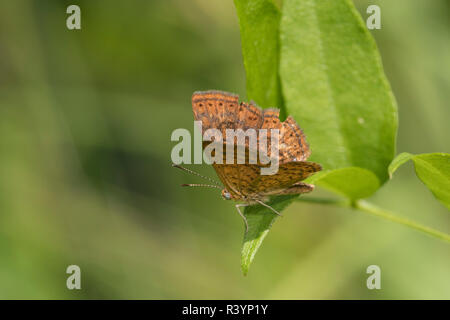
244 182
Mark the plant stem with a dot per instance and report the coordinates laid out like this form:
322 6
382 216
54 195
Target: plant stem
368 207
372 209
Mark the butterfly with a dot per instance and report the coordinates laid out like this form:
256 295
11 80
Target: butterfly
244 182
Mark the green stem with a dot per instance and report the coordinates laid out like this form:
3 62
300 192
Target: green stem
372 209
367 207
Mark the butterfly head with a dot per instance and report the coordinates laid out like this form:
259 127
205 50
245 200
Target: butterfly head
226 195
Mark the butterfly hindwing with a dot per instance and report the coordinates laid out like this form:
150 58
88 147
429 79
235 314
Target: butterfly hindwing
238 178
287 175
296 188
246 180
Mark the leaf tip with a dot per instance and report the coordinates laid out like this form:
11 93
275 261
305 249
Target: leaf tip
244 269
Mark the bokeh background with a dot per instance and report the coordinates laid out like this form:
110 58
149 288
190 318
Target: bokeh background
86 177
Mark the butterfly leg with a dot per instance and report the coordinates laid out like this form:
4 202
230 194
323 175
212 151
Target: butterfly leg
240 213
267 206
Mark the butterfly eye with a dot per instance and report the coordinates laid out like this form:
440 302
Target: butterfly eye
226 195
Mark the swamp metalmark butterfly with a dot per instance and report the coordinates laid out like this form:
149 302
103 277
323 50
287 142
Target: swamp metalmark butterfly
243 181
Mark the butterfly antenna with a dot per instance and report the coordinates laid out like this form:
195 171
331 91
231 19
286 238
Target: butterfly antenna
197 174
200 185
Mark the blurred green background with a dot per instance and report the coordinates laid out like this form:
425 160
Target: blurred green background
86 177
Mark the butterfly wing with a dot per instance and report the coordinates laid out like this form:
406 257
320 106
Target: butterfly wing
222 110
246 180
216 109
286 179
237 178
293 145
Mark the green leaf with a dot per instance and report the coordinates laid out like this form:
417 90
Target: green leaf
353 182
260 219
259 22
433 169
334 86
